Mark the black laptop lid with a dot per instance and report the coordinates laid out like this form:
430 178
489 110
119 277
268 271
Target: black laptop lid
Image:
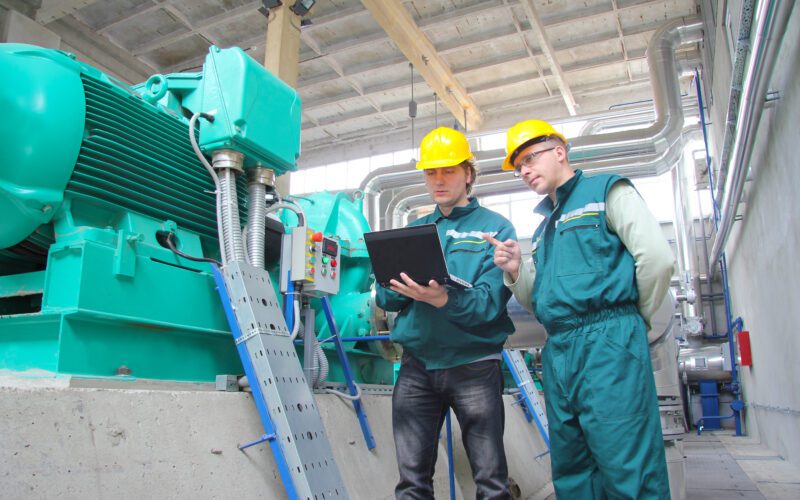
414 250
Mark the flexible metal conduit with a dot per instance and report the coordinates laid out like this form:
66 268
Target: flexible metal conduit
654 140
256 224
771 19
228 163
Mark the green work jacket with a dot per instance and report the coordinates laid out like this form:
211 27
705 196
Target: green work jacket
582 267
474 323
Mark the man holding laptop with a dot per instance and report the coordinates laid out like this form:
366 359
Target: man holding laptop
452 337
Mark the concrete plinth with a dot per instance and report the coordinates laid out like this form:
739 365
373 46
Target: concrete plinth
77 438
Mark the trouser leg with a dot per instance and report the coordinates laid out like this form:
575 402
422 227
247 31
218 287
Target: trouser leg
417 415
619 412
575 473
476 395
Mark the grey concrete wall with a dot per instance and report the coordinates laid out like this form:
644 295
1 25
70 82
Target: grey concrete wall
763 263
72 438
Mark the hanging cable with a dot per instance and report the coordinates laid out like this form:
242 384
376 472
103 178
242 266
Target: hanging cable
435 110
412 109
214 178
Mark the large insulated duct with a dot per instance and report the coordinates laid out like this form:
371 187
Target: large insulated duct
771 19
665 131
417 196
685 243
593 151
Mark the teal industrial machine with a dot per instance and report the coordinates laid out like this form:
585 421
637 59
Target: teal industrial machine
109 217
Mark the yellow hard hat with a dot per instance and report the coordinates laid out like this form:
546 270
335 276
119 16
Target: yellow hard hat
443 147
524 134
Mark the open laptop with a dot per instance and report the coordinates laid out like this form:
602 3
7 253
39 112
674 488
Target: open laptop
415 250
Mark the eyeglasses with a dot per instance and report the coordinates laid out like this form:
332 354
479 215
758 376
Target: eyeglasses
529 159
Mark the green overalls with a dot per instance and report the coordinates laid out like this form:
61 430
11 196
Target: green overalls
602 409
474 323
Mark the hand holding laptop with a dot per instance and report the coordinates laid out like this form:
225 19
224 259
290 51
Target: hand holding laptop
433 294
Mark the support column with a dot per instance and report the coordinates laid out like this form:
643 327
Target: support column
282 58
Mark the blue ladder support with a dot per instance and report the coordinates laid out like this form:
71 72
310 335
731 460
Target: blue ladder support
258 395
524 381
348 374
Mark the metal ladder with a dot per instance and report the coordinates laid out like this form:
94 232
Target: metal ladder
288 411
528 393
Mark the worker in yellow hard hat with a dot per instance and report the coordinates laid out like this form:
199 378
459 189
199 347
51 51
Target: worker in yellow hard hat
452 336
599 268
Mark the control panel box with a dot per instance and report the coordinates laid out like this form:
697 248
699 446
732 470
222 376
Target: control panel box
322 264
312 259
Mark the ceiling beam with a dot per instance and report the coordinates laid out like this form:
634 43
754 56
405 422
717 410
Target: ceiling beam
550 54
50 10
115 60
494 87
336 67
141 10
212 22
621 37
418 49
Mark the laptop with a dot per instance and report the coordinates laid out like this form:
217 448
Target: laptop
415 250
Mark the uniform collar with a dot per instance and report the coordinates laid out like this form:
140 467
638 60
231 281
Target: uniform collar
457 211
546 207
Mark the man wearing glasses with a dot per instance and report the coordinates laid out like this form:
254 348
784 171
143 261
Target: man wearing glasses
600 268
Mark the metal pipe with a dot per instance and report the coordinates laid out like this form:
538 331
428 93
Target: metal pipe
685 245
666 129
501 183
649 142
771 19
742 50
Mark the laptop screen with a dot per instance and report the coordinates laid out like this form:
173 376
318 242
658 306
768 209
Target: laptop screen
414 250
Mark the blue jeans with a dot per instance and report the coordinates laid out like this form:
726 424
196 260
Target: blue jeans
420 402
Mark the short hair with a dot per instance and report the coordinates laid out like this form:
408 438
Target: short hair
471 168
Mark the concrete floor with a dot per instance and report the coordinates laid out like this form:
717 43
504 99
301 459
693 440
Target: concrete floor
721 465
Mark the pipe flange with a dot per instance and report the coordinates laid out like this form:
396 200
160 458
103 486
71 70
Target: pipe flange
260 175
227 158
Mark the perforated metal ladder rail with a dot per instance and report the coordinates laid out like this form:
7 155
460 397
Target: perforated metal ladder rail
288 411
529 394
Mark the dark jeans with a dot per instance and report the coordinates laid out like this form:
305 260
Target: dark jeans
420 402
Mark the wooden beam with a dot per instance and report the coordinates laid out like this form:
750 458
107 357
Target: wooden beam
282 54
550 54
282 58
418 49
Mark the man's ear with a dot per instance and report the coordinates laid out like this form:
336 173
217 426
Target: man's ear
561 152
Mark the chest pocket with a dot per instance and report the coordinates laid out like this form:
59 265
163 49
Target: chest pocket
465 255
578 246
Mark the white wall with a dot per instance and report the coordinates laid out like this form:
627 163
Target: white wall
762 256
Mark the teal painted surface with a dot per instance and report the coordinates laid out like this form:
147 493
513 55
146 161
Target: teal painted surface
90 288
338 214
40 134
256 113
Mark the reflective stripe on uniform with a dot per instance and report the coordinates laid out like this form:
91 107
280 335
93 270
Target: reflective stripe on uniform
589 209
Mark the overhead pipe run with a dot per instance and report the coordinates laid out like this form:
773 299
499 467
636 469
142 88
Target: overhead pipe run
502 183
593 151
771 19
664 71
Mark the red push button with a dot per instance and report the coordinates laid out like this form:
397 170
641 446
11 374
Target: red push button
317 237
333 263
